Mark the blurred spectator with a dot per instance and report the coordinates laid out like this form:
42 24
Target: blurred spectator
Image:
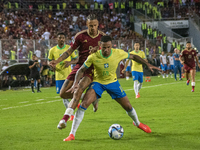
5 66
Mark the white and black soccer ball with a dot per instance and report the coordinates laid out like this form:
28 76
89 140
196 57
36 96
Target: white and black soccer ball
116 131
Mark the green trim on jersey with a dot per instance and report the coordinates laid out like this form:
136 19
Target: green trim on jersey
61 48
104 56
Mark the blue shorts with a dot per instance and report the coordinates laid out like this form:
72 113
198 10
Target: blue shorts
171 67
137 76
165 68
113 89
128 68
59 84
181 65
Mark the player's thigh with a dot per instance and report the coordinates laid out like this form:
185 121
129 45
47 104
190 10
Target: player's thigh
125 103
134 75
66 86
90 96
140 77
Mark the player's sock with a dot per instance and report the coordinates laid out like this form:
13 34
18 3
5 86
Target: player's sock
188 81
193 85
134 116
32 87
82 96
127 78
66 102
139 86
77 119
38 86
136 87
68 113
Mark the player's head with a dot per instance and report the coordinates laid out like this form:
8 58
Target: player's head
170 54
176 50
92 24
137 46
163 53
34 57
106 45
61 38
188 45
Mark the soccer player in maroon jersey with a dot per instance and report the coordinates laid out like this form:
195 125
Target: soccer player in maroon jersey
188 57
85 42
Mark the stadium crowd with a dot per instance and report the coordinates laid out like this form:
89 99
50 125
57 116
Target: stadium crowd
33 29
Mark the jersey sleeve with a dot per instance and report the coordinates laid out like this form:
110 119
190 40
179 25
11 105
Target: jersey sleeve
143 55
29 63
88 62
50 57
76 42
123 54
74 55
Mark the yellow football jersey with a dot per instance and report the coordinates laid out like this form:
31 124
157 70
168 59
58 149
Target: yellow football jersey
105 67
54 53
135 65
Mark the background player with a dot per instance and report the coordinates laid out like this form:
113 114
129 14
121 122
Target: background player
171 64
188 57
84 41
163 64
33 66
177 64
137 69
105 79
128 69
63 69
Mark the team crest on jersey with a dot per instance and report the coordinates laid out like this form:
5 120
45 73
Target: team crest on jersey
192 53
106 65
85 41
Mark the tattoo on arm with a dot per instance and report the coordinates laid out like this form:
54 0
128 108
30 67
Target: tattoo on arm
64 55
80 73
138 59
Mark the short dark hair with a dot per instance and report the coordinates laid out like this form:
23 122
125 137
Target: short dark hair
92 17
61 33
188 42
33 55
106 38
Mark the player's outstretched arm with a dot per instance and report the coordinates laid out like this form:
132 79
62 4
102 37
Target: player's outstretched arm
79 75
143 61
64 56
73 61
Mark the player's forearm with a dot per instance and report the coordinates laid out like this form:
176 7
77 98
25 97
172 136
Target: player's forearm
138 59
197 60
65 55
74 61
126 64
31 66
79 75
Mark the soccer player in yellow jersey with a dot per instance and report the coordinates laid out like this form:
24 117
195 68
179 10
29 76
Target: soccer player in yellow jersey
137 69
63 69
105 62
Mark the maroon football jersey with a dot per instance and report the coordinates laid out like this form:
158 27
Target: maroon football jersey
189 57
84 42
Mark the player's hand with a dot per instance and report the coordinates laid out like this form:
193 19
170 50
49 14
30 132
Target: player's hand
67 64
151 67
123 70
53 63
94 49
199 65
73 88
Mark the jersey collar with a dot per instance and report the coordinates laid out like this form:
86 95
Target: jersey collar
61 48
93 36
104 56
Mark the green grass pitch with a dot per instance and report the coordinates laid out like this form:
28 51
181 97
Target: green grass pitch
29 121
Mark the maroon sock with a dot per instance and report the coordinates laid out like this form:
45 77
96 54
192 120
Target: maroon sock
193 87
65 117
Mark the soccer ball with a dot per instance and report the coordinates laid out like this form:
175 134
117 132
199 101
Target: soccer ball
116 131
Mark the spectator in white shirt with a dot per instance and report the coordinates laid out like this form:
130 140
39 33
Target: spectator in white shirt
46 35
